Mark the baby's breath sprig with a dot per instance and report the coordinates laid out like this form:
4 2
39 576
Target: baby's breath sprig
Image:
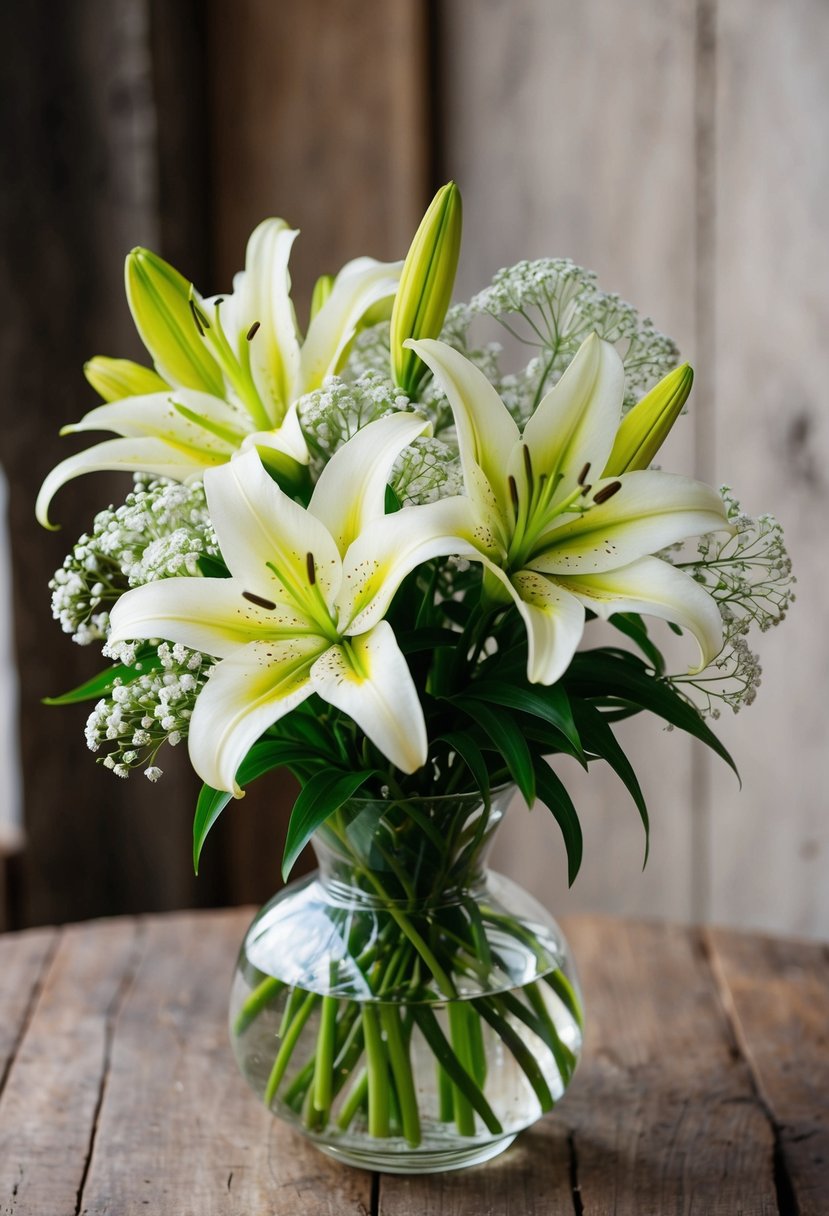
331 415
161 530
749 574
137 718
553 305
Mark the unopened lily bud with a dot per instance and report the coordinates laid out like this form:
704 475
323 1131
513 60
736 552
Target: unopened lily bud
426 285
113 379
159 300
645 428
322 290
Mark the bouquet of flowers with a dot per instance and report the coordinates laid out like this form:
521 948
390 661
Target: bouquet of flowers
370 557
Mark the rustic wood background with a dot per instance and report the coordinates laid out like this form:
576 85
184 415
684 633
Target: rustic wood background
675 146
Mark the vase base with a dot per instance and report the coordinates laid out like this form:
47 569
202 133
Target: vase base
417 1161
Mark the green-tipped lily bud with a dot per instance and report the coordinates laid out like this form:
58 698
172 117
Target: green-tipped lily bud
322 290
645 428
113 379
159 300
426 285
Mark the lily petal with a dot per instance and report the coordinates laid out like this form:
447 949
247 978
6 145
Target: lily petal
259 527
203 423
575 423
262 293
390 548
246 694
368 679
351 491
360 285
650 511
151 455
554 620
207 614
487 432
654 588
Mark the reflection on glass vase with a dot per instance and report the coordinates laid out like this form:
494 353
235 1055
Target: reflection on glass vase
405 1008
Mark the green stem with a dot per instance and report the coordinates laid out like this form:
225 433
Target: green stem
324 1068
402 1071
259 998
459 1036
357 1096
378 1075
288 1044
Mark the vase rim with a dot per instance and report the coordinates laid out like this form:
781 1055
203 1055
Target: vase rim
468 796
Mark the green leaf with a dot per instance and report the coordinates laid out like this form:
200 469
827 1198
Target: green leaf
262 757
427 638
392 501
447 1058
634 627
507 739
212 567
599 738
550 703
628 680
105 681
467 749
555 797
319 797
509 1036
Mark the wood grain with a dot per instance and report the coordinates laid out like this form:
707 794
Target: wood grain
702 1090
196 1140
570 129
772 444
776 994
49 1105
662 1116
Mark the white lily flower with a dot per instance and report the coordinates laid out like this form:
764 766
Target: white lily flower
302 611
229 370
557 536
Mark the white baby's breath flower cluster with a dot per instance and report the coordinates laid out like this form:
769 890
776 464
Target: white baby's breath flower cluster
749 574
138 717
553 305
331 415
427 470
161 530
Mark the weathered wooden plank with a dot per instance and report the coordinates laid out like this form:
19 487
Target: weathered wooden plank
77 143
23 959
662 1116
570 129
772 444
776 994
179 1131
318 113
48 1108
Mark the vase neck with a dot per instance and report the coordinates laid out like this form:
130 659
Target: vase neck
418 850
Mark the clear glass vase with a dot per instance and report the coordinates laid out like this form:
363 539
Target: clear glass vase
405 1008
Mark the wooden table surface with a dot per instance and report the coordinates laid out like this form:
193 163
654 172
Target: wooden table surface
704 1087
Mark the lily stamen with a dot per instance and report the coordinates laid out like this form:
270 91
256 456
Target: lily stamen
259 600
311 568
607 492
254 329
582 477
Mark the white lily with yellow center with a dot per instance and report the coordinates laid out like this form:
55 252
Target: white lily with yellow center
228 370
302 611
557 529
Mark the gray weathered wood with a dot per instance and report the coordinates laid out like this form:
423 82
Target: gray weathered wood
23 959
49 1105
662 1116
196 1140
772 444
570 129
776 993
702 1089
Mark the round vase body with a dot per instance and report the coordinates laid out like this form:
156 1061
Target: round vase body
405 1008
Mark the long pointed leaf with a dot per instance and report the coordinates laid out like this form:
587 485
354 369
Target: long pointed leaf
508 740
555 797
551 704
599 738
321 795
